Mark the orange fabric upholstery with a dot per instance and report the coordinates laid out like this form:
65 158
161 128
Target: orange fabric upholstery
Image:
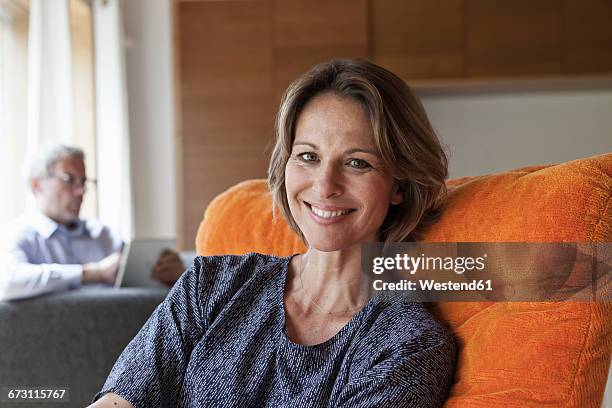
511 354
240 221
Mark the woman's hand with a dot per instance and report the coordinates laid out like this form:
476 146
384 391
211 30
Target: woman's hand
111 400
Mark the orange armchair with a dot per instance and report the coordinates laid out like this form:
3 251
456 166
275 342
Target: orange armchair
510 354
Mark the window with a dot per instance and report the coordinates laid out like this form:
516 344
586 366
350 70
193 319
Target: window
13 105
36 60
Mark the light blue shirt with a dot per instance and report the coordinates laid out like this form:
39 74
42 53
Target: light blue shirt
41 256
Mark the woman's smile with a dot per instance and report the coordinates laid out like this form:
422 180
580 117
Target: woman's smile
326 215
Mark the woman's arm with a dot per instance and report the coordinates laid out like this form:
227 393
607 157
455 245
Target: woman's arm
150 370
111 400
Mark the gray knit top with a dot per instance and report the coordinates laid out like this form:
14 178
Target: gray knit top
218 340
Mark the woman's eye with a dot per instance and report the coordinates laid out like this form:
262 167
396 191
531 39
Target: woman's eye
359 164
307 157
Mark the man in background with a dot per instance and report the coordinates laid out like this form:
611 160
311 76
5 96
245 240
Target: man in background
53 249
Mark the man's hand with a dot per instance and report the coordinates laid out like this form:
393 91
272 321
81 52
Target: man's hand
168 268
103 271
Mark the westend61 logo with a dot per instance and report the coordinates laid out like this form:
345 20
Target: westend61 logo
412 264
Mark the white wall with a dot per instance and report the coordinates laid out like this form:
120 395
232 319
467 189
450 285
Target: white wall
497 132
148 32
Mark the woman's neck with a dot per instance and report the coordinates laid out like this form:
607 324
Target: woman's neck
331 282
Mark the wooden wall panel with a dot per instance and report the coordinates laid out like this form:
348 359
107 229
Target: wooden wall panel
235 58
519 37
223 170
419 38
588 35
309 32
225 64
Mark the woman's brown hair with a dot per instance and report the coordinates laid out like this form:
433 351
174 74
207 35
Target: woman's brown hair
407 144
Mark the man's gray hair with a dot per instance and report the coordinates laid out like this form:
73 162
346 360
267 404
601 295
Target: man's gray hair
43 161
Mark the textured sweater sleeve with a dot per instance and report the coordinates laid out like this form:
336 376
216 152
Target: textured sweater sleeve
416 373
150 371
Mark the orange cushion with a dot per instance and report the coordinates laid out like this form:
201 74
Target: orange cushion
511 354
239 221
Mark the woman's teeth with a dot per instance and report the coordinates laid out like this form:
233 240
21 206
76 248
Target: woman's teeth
328 214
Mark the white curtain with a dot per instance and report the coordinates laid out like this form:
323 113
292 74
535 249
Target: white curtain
13 108
50 98
113 147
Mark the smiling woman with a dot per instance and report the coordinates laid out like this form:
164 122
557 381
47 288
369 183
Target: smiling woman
355 161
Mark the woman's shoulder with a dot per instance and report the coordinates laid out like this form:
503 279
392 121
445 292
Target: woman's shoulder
223 269
213 281
400 322
227 266
404 348
224 275
400 336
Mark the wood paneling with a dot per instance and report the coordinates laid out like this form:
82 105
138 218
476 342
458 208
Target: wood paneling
222 168
419 38
309 32
519 37
588 35
235 58
225 63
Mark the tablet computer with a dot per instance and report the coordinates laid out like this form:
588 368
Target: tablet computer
137 260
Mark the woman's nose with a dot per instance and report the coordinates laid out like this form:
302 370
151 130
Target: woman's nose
328 181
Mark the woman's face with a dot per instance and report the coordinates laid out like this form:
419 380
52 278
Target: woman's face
337 189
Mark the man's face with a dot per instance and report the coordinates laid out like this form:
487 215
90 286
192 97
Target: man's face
60 195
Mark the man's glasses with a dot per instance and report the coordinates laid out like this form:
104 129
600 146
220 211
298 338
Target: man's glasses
74 182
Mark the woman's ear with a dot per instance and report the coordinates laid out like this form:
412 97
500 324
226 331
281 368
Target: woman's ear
397 197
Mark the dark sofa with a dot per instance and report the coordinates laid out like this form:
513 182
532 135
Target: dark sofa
68 340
